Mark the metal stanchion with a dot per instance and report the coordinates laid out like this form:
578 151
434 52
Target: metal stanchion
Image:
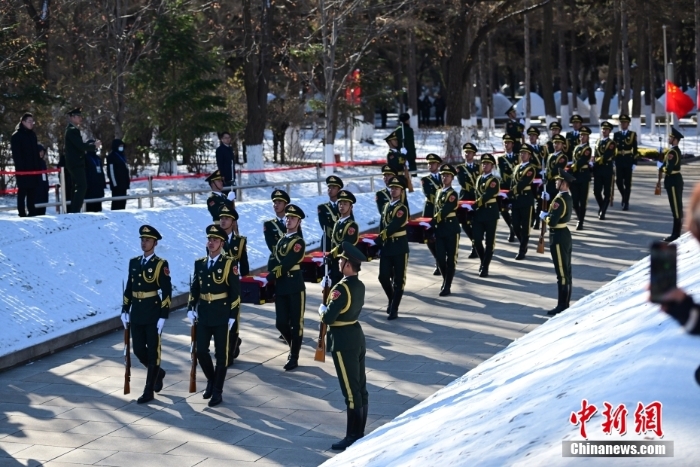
150 188
62 178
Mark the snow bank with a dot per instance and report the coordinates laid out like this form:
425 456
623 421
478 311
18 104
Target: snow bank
514 408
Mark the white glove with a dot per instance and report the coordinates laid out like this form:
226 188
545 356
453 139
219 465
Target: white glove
125 320
231 195
634 166
590 163
468 207
659 165
570 163
322 309
543 215
325 282
403 151
369 241
192 316
543 172
545 196
160 324
230 323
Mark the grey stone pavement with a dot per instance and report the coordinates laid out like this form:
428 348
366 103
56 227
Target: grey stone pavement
68 409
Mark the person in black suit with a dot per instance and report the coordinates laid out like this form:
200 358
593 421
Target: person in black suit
224 159
25 155
95 177
118 173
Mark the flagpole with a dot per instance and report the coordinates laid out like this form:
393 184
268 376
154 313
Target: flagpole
666 83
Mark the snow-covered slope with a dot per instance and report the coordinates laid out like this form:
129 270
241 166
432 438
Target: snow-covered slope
612 346
61 273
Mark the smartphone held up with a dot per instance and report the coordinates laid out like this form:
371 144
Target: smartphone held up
662 277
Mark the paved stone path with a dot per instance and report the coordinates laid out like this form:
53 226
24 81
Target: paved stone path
68 409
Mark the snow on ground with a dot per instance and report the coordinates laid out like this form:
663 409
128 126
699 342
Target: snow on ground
61 273
513 409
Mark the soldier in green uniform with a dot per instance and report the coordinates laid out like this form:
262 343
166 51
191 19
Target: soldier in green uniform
625 159
274 229
383 196
446 228
393 243
514 129
235 248
670 169
75 150
506 166
560 239
431 184
346 342
523 199
603 169
145 310
395 158
345 230
214 307
581 170
486 213
572 137
537 160
290 290
557 160
467 176
554 129
406 141
328 212
217 198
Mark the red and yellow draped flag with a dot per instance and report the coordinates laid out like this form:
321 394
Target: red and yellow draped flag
677 101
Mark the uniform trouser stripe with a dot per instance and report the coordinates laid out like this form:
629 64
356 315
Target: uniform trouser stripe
456 249
301 313
560 266
346 382
674 204
228 340
158 352
405 270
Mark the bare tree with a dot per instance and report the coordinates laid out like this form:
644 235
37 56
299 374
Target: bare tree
546 75
626 76
563 69
612 60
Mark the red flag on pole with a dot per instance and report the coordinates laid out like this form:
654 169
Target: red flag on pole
677 101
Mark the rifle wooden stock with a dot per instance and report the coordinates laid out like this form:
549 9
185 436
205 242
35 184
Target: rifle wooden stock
543 229
193 356
409 182
612 190
320 355
127 361
657 190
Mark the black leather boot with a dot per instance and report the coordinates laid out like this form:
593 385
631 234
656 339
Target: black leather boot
208 369
147 395
447 282
676 231
160 374
561 299
523 249
365 409
473 254
234 347
354 421
395 302
293 359
219 378
485 262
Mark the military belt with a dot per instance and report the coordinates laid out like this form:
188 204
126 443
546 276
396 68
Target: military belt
210 297
627 152
398 234
452 214
674 172
144 294
558 227
296 267
527 188
491 201
342 323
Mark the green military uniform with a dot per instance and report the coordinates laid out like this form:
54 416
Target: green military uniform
572 137
556 161
216 199
406 140
625 161
393 243
523 202
603 173
345 230
145 308
290 290
506 167
446 232
486 216
673 183
560 243
514 129
216 295
467 176
75 149
431 184
581 170
328 212
274 229
346 342
539 161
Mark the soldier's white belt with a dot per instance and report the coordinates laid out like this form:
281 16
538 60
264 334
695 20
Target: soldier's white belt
342 323
210 297
141 295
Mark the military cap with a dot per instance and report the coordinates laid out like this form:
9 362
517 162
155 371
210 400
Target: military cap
488 158
391 136
280 195
603 125
216 232
387 170
227 211
526 148
345 195
404 117
507 138
433 158
585 130
396 181
334 181
564 175
576 118
469 147
624 118
558 139
215 175
676 134
149 232
295 211
533 130
352 253
555 126
75 111
447 169
511 109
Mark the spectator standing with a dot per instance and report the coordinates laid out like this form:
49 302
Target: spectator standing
42 192
95 177
406 140
425 106
440 107
224 159
118 173
25 154
75 149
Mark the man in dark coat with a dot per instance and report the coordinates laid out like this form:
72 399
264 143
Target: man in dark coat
75 149
440 107
118 173
406 140
95 177
25 154
224 159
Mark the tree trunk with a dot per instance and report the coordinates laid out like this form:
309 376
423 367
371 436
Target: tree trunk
626 78
612 61
526 40
546 75
563 78
638 73
485 111
697 59
493 84
650 79
42 25
412 79
455 65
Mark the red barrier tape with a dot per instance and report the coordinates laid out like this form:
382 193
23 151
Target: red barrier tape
13 191
31 172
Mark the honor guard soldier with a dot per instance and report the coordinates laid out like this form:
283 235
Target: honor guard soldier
537 160
406 141
557 160
395 158
506 166
145 310
345 231
603 169
581 170
290 290
514 129
431 184
235 248
572 137
670 169
75 149
523 199
625 159
467 176
328 212
486 213
346 342
560 239
217 198
554 129
393 243
214 307
275 228
383 196
446 228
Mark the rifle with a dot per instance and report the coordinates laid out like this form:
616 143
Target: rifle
193 353
409 182
320 355
657 190
612 189
127 356
543 229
